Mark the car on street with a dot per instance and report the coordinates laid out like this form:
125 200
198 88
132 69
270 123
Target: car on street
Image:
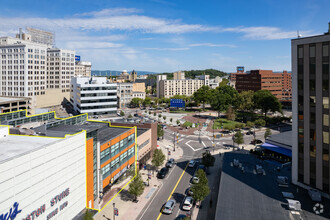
201 166
162 173
170 163
256 141
187 203
189 192
192 163
168 207
181 217
249 132
194 180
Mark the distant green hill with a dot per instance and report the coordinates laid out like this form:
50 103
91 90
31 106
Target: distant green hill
193 73
117 73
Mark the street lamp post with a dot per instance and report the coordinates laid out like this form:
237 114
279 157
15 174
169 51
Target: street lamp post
174 141
114 207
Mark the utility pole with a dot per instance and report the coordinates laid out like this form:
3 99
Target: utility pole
213 137
174 141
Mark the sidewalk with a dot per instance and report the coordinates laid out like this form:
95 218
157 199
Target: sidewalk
129 210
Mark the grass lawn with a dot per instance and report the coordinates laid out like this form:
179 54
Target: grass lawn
189 124
224 122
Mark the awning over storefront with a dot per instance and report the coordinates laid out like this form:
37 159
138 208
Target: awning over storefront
277 149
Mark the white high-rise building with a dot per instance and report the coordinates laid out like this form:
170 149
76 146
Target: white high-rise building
95 96
83 68
32 69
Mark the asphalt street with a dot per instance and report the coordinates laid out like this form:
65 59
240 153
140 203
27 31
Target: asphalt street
178 180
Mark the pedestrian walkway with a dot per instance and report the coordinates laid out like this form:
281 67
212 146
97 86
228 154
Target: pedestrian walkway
128 209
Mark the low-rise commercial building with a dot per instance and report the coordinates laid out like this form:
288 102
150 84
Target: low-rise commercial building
100 155
83 68
94 96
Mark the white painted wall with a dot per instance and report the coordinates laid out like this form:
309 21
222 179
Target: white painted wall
35 178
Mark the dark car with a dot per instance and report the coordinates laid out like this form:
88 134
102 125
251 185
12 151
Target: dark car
256 141
249 133
189 192
162 173
201 166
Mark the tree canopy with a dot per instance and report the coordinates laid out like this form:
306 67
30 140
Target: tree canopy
136 187
160 131
136 102
207 159
245 100
147 101
222 97
201 189
266 101
238 138
202 95
157 158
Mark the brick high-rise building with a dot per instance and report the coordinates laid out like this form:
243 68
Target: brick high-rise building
279 84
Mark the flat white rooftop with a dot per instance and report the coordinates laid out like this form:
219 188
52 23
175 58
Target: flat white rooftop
15 145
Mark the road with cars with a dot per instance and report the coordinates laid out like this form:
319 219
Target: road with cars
178 179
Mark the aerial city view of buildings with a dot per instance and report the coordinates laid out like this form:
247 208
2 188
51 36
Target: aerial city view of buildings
81 143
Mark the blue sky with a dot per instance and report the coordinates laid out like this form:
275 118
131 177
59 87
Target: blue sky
166 36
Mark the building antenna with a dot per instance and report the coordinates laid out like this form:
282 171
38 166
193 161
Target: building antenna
298 34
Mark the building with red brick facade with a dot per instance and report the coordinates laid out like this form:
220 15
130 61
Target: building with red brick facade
278 83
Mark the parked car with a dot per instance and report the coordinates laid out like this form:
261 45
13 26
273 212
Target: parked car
162 173
256 141
189 192
168 207
249 132
192 163
194 180
201 166
187 203
259 169
181 217
170 163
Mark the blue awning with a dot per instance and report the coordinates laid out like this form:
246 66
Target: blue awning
277 149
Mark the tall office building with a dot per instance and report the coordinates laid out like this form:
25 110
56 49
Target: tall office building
310 111
31 67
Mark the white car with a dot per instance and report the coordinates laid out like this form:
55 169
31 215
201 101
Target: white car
187 203
192 163
195 180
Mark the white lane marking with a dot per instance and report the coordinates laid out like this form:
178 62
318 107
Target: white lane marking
203 143
181 140
151 201
178 212
187 143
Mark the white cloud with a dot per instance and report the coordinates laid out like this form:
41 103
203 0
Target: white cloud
167 49
212 45
265 33
91 45
109 12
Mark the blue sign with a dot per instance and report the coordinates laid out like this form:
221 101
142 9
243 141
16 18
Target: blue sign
77 58
177 103
11 214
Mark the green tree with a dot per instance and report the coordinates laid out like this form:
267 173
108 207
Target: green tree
157 158
267 133
222 97
224 82
238 138
207 159
130 116
156 101
260 122
164 117
177 122
266 101
202 95
159 116
136 102
154 113
88 215
171 119
201 189
149 112
230 114
147 101
160 131
249 124
136 186
245 101
122 113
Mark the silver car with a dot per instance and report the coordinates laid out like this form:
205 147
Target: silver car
168 207
187 203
